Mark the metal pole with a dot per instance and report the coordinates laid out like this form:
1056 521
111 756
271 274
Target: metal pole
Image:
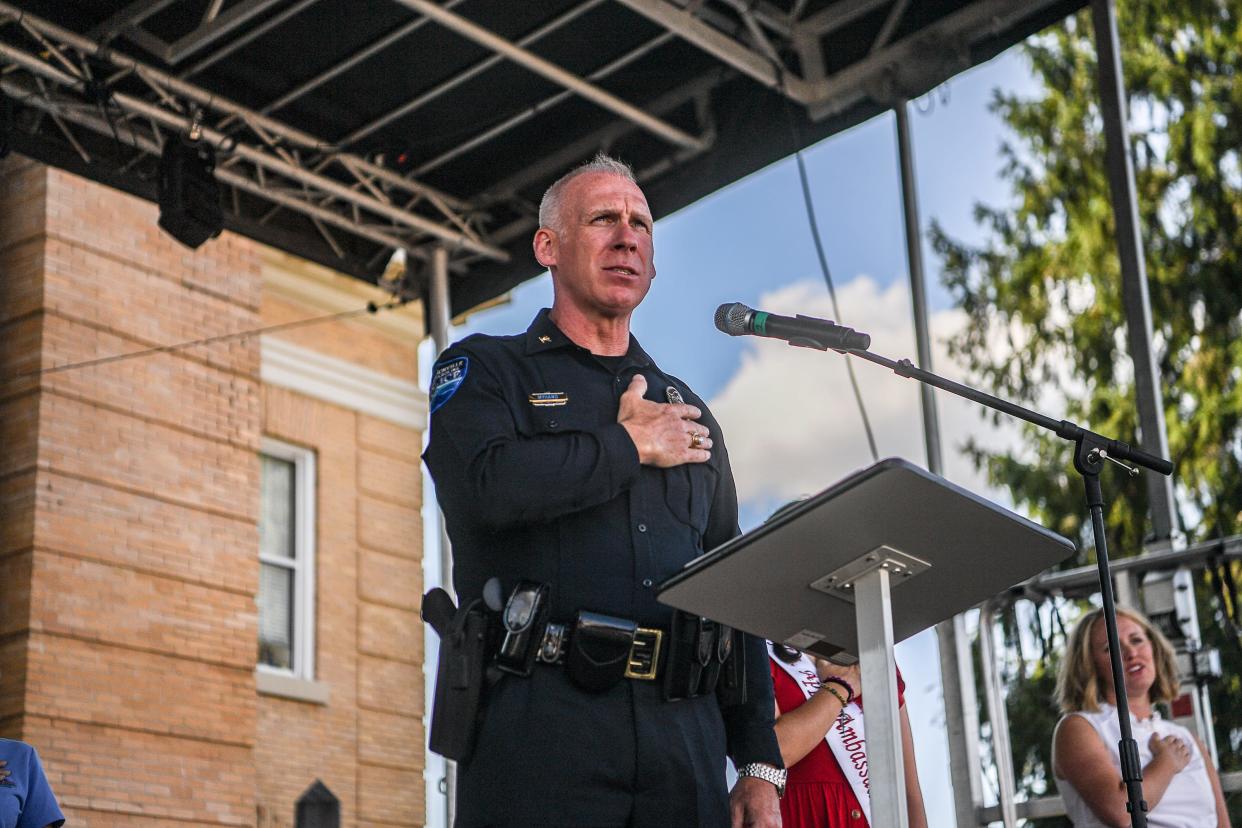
873 612
1134 295
918 294
438 322
957 675
998 718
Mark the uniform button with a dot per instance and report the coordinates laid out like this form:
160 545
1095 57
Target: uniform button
647 582
552 423
855 814
642 527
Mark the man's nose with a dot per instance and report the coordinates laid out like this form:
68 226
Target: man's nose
626 237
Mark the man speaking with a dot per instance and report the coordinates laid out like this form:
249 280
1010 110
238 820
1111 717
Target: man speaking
577 473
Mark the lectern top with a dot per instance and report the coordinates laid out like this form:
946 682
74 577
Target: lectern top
789 580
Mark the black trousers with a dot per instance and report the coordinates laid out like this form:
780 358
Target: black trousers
550 754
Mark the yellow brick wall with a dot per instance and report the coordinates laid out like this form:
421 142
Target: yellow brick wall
128 530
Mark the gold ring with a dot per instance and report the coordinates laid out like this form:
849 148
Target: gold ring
696 440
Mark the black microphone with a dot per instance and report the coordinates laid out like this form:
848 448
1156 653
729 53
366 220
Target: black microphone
736 319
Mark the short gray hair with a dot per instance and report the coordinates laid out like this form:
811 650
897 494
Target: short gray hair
550 205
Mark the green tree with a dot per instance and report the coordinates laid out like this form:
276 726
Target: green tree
1043 293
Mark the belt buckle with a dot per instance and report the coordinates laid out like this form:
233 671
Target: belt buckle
644 654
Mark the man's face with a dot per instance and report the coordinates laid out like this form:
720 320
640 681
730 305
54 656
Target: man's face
602 257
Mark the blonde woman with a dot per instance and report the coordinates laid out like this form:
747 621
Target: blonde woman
1180 785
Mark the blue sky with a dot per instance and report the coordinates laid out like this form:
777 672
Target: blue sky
750 243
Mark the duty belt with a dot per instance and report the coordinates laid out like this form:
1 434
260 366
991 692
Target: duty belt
644 659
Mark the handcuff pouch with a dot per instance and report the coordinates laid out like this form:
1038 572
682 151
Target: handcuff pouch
599 650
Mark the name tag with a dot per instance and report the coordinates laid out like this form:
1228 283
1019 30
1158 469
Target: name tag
547 399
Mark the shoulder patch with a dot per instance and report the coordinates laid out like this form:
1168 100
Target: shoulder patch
446 378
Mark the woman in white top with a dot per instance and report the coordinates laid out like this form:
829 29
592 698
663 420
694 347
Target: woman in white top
1180 785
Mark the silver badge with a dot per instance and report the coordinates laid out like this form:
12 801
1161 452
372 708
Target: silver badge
674 396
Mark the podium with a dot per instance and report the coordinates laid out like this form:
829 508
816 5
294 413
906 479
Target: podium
881 555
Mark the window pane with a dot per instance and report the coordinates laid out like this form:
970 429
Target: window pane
276 616
276 508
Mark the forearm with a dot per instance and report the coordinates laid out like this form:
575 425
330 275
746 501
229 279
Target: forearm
530 479
804 727
1157 776
1111 808
749 726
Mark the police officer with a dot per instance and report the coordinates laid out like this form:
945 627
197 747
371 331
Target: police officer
565 456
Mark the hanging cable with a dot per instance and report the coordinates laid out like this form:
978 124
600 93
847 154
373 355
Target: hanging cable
819 252
371 307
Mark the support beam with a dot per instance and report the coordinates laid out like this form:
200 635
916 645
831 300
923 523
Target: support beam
461 77
957 678
237 15
903 69
839 14
1133 265
559 161
131 15
552 72
374 47
531 111
1002 750
891 23
255 33
439 325
918 289
722 47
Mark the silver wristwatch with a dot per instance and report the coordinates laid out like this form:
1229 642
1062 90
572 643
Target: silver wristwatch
764 771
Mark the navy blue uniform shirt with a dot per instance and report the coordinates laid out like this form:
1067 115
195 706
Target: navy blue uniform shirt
537 480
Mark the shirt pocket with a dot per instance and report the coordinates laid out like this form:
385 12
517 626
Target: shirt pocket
689 490
555 419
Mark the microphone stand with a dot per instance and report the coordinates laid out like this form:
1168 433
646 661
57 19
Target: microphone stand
1090 452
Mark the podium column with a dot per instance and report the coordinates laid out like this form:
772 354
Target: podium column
873 610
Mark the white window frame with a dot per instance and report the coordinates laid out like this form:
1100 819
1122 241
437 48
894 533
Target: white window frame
303 649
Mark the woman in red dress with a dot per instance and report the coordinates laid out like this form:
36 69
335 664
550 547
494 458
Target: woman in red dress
811 695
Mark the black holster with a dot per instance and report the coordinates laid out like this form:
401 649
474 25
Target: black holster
460 672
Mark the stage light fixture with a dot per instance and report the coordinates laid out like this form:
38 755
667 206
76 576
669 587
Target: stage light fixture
189 195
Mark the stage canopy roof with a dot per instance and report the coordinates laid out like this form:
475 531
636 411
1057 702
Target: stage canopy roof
348 128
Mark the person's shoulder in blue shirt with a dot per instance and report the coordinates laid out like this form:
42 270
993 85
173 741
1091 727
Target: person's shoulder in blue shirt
26 799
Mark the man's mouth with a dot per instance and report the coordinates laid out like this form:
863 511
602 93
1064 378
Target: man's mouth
623 270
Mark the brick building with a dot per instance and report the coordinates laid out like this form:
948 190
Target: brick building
163 516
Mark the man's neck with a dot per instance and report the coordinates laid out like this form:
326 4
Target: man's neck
604 336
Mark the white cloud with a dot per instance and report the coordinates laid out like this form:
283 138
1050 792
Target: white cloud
790 418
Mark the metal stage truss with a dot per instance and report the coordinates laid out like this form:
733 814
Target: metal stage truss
347 130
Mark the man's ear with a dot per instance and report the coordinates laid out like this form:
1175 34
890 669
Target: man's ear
544 245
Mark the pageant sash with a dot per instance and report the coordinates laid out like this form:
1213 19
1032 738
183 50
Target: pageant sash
847 739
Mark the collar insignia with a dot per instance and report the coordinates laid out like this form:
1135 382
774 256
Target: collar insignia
547 399
545 339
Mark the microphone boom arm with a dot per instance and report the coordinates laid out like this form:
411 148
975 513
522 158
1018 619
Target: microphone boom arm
1091 450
